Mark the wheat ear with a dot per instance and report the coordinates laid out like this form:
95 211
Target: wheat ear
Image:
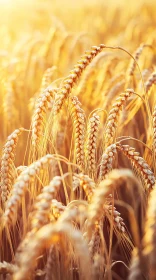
39 114
91 143
116 216
41 212
92 68
74 76
89 187
94 243
43 203
20 169
78 117
57 208
136 55
151 81
99 201
19 187
146 74
47 78
114 114
7 164
139 163
107 161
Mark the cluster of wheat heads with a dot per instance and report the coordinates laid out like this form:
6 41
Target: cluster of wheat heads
78 145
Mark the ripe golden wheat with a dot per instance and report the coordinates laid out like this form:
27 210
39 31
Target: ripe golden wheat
78 140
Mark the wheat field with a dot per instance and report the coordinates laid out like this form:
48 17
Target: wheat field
77 140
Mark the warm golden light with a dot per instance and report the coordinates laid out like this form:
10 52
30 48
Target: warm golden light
7 2
77 139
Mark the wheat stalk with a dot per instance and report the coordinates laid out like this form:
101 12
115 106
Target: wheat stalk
87 184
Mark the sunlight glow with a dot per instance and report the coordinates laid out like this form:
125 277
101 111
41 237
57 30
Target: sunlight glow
10 2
